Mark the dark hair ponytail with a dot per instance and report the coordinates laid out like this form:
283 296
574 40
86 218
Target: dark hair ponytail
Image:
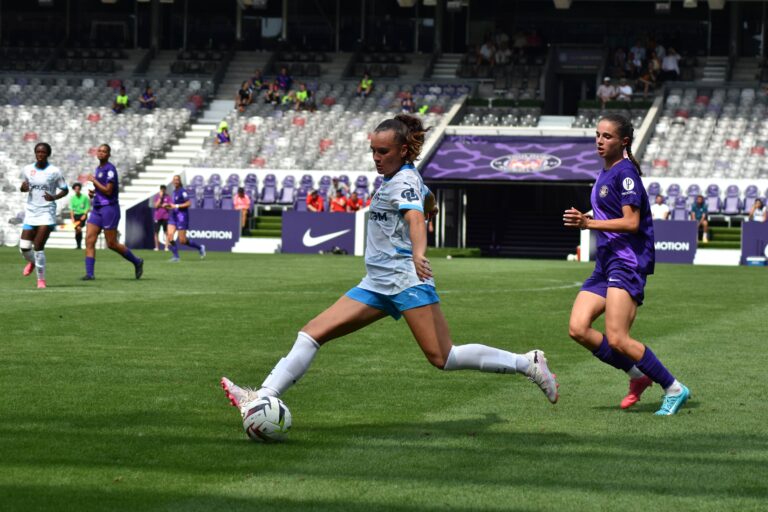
625 128
409 131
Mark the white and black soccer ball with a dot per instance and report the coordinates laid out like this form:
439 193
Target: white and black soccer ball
266 420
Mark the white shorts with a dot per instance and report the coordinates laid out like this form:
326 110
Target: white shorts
39 218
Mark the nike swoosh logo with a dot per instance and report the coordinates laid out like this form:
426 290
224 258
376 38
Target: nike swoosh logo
310 241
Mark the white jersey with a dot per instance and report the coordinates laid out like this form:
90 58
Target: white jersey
38 211
388 251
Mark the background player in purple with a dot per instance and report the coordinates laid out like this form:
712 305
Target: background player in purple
625 256
179 220
105 215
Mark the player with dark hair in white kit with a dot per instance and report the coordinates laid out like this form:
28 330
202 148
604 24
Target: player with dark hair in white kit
41 181
398 282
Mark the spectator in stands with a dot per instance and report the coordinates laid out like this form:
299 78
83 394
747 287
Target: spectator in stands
315 202
148 99
406 104
620 59
243 97
243 203
222 136
660 51
288 100
365 86
624 91
354 203
79 206
339 202
699 214
121 101
534 39
660 209
485 56
284 80
272 94
304 100
504 55
638 52
257 81
758 213
670 66
648 78
162 202
606 92
634 65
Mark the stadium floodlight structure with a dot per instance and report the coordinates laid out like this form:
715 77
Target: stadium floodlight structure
562 4
716 5
690 4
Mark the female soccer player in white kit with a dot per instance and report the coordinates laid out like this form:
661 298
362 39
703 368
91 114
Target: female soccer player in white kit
42 180
398 281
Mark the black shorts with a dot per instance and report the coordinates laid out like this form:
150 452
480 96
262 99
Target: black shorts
83 218
161 224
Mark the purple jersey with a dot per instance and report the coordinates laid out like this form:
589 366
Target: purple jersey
180 196
616 187
106 174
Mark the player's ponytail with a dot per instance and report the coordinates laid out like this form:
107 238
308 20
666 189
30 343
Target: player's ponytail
409 130
625 129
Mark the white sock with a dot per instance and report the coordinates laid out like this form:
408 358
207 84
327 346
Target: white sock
486 359
40 264
635 373
29 255
291 368
675 389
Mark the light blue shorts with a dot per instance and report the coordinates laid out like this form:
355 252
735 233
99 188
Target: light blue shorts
394 305
26 227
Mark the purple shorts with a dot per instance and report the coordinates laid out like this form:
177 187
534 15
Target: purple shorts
180 219
106 217
617 277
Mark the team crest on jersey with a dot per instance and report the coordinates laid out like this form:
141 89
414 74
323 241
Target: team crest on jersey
603 191
110 174
521 163
409 195
628 183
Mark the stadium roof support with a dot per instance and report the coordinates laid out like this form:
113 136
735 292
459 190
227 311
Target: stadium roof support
562 4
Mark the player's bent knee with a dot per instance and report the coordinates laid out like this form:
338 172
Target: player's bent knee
577 332
25 245
437 360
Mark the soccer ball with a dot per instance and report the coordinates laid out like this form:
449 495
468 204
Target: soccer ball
266 420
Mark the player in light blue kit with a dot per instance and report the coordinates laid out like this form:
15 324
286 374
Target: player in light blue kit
398 281
625 257
178 220
41 180
105 215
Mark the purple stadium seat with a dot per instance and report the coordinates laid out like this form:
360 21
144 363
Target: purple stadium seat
288 191
209 197
672 192
751 193
714 204
693 191
377 183
250 180
197 181
680 209
215 180
301 200
325 183
192 193
233 180
361 187
226 198
269 192
252 193
654 189
343 178
307 181
732 203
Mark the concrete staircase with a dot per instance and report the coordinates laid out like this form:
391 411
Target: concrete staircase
240 68
714 71
446 66
161 63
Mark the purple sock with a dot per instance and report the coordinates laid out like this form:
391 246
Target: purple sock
193 245
130 256
174 249
609 356
90 264
650 365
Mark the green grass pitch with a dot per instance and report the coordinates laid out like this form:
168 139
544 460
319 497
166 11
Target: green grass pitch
110 396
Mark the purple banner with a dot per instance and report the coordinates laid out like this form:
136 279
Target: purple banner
754 239
675 240
461 157
219 230
310 232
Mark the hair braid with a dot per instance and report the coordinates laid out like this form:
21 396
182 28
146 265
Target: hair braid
625 129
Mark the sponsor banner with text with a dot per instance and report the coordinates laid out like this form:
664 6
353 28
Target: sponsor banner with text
675 240
310 232
464 157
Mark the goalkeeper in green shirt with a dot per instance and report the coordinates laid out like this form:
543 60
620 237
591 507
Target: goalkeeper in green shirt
79 206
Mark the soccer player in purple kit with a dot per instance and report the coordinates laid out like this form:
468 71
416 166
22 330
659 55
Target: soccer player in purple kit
625 257
179 220
105 215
